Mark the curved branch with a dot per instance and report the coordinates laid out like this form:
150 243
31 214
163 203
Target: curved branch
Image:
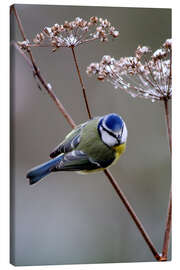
37 73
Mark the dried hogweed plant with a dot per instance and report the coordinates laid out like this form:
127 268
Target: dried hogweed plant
142 75
70 35
73 33
147 75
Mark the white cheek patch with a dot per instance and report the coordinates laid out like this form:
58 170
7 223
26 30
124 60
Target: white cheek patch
124 135
107 138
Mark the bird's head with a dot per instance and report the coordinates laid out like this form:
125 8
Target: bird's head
112 129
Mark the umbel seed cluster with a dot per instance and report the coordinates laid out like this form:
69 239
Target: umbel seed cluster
73 33
147 74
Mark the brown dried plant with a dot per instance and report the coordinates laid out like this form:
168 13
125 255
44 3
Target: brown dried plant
73 33
146 76
141 75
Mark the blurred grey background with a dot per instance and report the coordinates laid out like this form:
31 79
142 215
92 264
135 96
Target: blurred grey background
69 218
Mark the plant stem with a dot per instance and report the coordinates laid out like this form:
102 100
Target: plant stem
167 228
115 184
37 73
12 9
169 211
168 124
81 83
133 214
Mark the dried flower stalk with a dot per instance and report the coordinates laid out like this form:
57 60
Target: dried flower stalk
146 77
36 71
139 75
73 33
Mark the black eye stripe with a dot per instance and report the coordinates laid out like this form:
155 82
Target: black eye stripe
112 134
101 126
109 132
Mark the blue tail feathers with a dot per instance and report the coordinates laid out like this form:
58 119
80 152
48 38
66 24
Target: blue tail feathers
37 173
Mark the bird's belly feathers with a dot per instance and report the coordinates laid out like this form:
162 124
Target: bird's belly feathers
118 151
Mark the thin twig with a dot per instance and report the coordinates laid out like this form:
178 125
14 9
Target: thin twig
115 184
28 61
169 211
18 22
167 229
170 74
37 73
168 123
133 214
81 83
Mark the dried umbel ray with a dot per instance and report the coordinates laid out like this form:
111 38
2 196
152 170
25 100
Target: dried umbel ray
73 33
144 75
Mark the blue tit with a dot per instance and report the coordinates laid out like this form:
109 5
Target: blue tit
89 147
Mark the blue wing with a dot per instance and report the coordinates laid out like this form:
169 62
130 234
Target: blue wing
66 146
76 161
70 142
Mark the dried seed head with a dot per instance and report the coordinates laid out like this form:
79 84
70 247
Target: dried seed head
24 44
48 31
76 32
101 77
56 26
138 75
168 44
106 59
115 34
159 54
140 51
94 20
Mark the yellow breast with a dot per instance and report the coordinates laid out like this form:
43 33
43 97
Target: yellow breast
119 149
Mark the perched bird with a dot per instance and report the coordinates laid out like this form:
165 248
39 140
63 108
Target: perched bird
89 147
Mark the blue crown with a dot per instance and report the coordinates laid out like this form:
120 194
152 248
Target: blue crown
113 122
